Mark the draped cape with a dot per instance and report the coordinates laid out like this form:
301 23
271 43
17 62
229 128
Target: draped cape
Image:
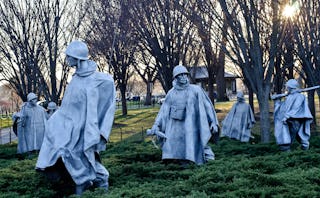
81 126
31 122
238 122
294 107
188 138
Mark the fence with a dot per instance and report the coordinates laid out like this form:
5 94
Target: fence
123 134
118 134
135 105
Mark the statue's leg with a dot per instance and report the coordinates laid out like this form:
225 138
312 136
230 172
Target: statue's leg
101 180
83 187
294 126
284 147
304 142
56 172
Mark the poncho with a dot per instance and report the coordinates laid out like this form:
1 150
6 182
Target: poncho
185 118
238 122
30 127
295 106
80 128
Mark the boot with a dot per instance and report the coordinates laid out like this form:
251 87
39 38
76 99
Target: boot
284 147
83 187
101 183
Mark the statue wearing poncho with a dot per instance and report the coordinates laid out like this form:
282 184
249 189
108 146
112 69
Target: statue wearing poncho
31 122
239 121
292 118
80 128
187 119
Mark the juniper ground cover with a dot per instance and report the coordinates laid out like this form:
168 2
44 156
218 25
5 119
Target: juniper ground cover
240 170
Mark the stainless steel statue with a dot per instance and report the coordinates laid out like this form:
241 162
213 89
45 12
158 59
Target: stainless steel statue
52 107
239 121
185 122
31 121
292 117
80 128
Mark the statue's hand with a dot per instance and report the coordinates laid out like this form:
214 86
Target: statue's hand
153 130
214 128
149 132
284 121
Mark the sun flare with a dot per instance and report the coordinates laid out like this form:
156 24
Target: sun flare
290 10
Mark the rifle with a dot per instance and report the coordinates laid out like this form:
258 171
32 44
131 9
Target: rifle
277 96
157 133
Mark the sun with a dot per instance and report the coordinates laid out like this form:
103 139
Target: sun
290 10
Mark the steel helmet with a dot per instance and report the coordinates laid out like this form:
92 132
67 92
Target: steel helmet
179 69
77 49
31 96
52 105
240 95
292 83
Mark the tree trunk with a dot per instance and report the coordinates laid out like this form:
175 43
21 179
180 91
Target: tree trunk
251 98
263 99
123 101
221 83
311 105
288 56
210 86
278 76
149 93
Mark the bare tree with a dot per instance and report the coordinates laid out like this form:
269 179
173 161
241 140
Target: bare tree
59 24
166 34
306 31
211 38
32 34
285 57
20 33
136 86
252 45
146 69
112 38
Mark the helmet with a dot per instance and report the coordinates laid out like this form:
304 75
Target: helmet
77 49
52 105
240 95
179 69
292 83
31 96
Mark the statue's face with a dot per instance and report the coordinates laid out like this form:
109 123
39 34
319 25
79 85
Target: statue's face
71 61
182 78
289 89
33 102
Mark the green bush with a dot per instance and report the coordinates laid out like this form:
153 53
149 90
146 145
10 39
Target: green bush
136 170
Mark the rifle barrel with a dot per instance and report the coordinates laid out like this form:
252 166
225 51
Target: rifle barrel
277 96
309 88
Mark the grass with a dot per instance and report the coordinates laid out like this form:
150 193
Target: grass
136 170
137 120
5 121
